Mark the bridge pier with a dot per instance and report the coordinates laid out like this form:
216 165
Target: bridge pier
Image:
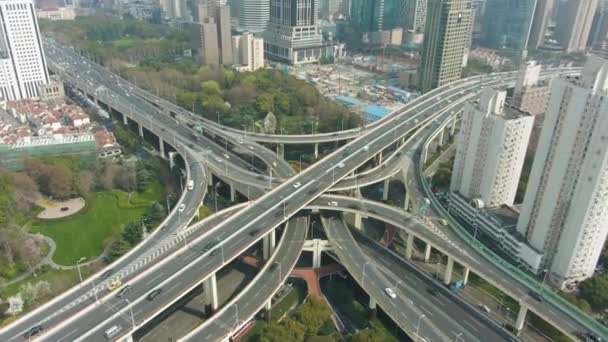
521 318
161 146
385 189
441 136
268 311
379 158
281 151
317 151
171 159
465 276
406 201
427 252
409 247
268 244
125 120
447 277
373 308
453 127
210 289
232 193
140 128
423 155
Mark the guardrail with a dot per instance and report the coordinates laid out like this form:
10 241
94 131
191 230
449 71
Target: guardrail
524 278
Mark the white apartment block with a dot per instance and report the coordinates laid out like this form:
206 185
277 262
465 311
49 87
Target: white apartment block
248 52
22 62
491 149
529 95
565 209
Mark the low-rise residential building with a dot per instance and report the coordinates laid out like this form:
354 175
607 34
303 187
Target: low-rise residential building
107 146
57 13
52 92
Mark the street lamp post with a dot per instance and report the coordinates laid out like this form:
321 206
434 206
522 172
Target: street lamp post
418 325
132 316
458 336
78 267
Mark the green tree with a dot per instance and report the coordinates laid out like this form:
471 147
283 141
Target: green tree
132 233
116 249
265 102
154 214
595 291
211 88
313 315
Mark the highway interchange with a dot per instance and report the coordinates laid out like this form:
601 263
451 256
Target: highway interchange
230 233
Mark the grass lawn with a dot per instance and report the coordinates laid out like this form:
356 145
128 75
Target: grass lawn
292 299
106 213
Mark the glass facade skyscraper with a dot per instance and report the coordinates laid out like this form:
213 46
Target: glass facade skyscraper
506 24
377 15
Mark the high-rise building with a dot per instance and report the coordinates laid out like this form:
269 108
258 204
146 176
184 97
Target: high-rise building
415 12
377 15
210 52
530 95
217 13
542 15
22 63
565 207
254 15
447 38
575 18
292 35
598 38
491 149
248 52
506 25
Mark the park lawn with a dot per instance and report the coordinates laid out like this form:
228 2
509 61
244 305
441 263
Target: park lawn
83 234
293 298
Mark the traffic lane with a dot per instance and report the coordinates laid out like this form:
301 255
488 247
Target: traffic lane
401 310
239 311
440 303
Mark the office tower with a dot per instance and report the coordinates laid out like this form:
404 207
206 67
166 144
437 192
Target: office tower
530 95
210 53
248 52
22 62
491 149
506 25
377 15
327 8
173 9
447 38
254 15
415 15
598 38
542 14
292 36
216 13
574 19
565 207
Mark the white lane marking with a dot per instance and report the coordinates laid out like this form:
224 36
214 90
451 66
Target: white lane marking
470 325
428 312
174 286
66 335
154 278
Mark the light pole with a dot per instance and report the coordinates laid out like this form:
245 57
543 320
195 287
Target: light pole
132 316
458 336
545 271
78 267
418 325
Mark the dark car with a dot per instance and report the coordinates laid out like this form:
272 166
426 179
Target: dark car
274 266
589 337
254 232
154 294
33 331
536 296
214 252
207 247
125 290
106 274
432 291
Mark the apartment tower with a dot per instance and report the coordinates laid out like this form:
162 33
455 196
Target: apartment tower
574 19
254 15
565 207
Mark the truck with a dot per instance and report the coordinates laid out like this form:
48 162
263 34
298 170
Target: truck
191 185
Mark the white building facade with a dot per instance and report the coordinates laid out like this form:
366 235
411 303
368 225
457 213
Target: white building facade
248 52
491 149
22 63
253 15
565 210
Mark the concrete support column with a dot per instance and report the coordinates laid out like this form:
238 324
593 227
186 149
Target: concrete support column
268 244
171 158
441 137
281 150
427 252
317 151
141 130
465 277
267 309
379 158
125 120
373 308
423 155
453 127
447 277
161 147
385 189
409 247
232 193
521 318
316 256
210 289
358 221
406 201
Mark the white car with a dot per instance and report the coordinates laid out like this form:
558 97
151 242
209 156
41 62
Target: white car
390 292
340 165
297 185
219 160
240 141
226 156
250 147
332 204
181 207
365 148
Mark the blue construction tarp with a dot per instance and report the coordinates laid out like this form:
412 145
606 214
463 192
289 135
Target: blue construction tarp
347 100
376 112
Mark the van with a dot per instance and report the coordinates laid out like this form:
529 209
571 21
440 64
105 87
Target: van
113 331
484 308
190 185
